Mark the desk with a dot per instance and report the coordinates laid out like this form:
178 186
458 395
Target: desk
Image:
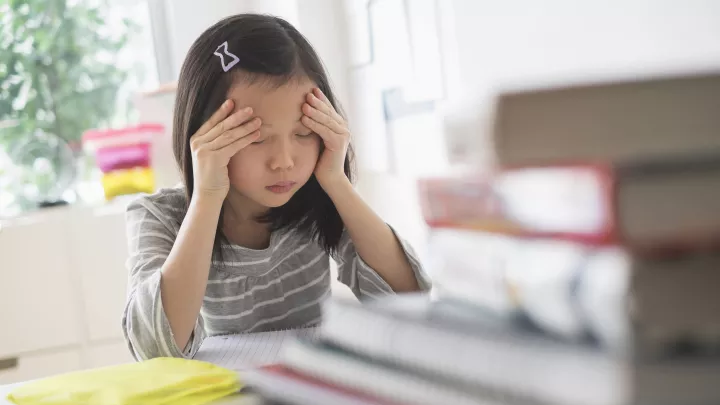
232 400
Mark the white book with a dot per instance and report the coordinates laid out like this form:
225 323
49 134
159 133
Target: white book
389 383
490 355
249 350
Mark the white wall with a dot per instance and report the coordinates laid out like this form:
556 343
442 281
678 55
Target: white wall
319 20
519 42
504 44
187 19
488 45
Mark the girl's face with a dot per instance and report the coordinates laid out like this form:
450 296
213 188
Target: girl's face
270 171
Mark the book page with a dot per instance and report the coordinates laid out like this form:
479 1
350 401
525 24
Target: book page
250 350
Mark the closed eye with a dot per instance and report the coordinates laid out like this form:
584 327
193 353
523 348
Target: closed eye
305 135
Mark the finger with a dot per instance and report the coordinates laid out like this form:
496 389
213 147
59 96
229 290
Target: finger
323 118
237 118
233 148
320 95
319 104
328 136
218 116
230 136
323 106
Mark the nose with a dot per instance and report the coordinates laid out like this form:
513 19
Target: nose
282 155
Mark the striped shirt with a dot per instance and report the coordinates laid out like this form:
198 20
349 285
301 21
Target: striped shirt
282 286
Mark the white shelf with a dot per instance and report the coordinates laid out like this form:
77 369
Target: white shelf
62 291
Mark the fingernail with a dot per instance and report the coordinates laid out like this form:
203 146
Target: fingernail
247 110
226 104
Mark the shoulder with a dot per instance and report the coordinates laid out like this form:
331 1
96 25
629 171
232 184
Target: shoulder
166 205
290 243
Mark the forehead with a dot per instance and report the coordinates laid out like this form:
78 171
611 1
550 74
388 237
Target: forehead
274 105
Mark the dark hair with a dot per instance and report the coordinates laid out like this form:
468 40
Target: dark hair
273 52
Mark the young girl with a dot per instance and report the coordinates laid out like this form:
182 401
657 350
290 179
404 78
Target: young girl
245 245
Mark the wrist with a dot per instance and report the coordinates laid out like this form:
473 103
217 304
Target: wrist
336 186
208 198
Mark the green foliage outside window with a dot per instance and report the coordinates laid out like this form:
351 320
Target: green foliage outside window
58 78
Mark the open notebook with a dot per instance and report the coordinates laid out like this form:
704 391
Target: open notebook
249 350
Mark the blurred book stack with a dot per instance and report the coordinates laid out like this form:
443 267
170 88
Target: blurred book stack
602 218
583 270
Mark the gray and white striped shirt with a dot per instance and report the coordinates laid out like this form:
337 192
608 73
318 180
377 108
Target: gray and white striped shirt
280 287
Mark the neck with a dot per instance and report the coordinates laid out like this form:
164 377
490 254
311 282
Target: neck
241 209
239 222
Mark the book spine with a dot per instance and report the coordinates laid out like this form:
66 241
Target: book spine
573 202
631 305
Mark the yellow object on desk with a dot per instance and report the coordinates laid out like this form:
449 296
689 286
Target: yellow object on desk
128 181
153 382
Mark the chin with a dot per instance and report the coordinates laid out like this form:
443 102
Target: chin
272 200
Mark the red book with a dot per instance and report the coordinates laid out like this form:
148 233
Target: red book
651 206
283 383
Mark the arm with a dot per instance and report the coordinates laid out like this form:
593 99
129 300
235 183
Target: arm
373 239
164 306
152 231
378 250
185 272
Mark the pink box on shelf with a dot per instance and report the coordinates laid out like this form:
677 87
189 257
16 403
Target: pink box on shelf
123 148
123 157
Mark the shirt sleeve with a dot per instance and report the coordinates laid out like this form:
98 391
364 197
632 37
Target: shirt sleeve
146 328
362 279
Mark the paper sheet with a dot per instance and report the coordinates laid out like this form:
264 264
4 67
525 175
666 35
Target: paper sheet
246 351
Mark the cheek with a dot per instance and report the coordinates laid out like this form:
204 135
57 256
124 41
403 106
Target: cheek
242 166
310 150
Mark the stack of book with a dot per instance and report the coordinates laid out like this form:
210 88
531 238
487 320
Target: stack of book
417 350
602 219
582 271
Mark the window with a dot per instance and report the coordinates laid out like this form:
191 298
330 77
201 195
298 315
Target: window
66 66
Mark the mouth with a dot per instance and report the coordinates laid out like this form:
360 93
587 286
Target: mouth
281 187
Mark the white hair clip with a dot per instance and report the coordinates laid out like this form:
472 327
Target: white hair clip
233 62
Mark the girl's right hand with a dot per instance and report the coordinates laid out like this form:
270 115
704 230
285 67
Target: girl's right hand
217 140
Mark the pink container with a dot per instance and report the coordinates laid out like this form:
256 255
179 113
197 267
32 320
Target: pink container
124 148
123 157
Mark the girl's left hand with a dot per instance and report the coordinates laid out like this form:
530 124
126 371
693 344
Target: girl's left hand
321 118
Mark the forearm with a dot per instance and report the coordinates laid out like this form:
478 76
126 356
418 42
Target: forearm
374 241
185 272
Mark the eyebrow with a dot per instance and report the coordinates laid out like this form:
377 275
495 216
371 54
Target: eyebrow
268 125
